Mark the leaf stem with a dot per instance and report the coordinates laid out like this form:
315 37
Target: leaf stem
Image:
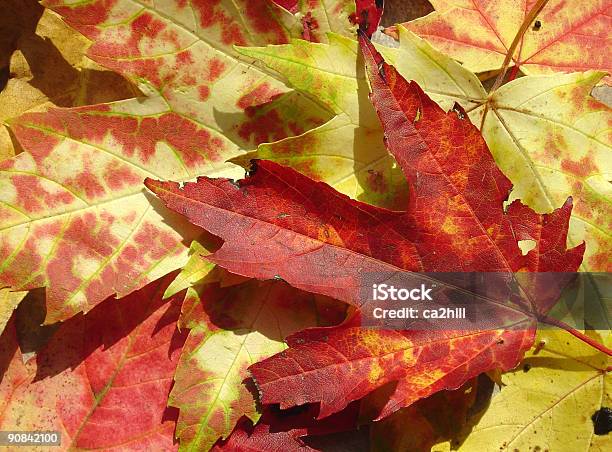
517 39
583 337
513 73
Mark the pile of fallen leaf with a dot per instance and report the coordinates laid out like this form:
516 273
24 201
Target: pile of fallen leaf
189 306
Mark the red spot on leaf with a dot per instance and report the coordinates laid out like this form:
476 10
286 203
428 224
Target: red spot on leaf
212 14
129 42
203 92
153 241
38 143
306 167
86 181
118 176
184 57
91 13
259 16
87 238
146 25
216 67
19 273
33 197
583 168
600 261
309 25
261 94
262 127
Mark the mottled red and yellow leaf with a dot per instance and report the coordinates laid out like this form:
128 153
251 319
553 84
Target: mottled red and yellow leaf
74 215
103 379
565 36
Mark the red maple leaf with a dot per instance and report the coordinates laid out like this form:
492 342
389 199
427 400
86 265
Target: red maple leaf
277 223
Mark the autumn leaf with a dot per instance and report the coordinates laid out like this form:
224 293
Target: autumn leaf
565 37
49 68
549 137
306 233
285 222
521 122
355 361
351 169
230 329
346 152
103 379
82 175
552 139
548 401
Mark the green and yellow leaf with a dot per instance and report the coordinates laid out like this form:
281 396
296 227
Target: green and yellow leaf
548 401
230 329
552 139
348 152
196 271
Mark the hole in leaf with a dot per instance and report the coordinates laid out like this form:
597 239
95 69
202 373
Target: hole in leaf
252 169
537 25
381 71
460 112
526 246
602 421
